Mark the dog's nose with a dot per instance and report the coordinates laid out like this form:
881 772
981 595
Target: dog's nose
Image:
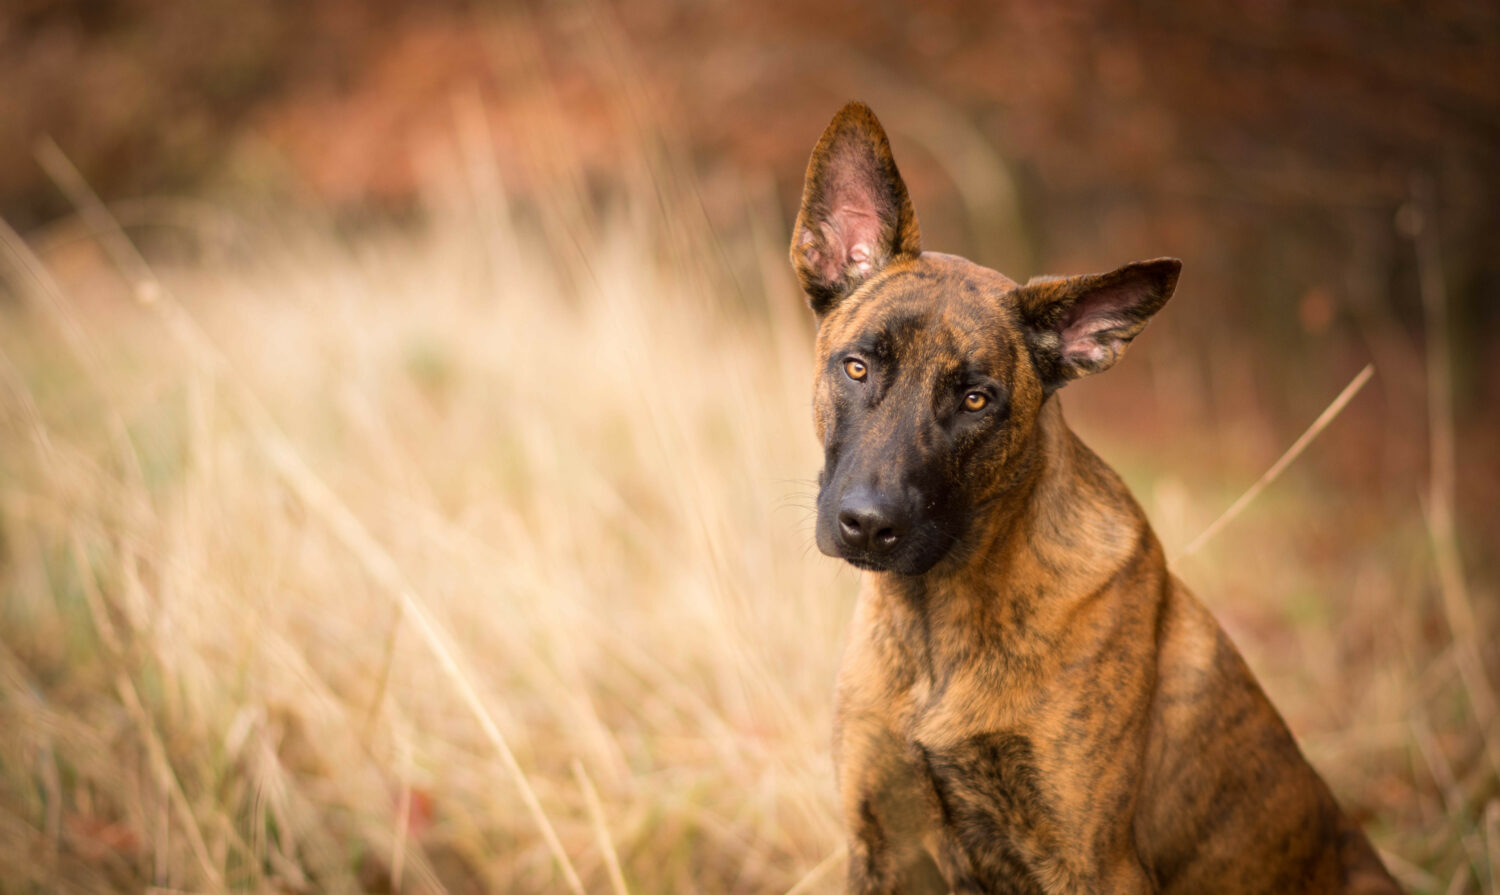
869 524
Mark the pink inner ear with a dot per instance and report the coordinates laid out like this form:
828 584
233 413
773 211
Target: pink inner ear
851 231
1093 314
1098 311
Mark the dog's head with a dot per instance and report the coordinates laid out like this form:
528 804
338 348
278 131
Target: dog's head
931 369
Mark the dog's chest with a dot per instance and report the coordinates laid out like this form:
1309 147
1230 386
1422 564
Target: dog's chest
989 816
955 720
991 809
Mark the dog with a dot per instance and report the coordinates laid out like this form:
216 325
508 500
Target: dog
1029 701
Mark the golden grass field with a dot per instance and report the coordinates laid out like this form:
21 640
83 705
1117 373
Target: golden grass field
476 557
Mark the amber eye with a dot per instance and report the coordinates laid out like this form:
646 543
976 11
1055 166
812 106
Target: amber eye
975 401
856 369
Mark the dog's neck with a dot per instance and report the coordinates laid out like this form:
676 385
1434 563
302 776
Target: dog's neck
1073 513
1048 545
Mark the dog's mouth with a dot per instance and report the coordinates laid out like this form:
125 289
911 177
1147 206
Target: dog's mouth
909 563
869 564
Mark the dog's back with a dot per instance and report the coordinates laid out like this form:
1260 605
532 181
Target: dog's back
1234 806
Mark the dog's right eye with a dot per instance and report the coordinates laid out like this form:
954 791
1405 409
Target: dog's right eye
855 369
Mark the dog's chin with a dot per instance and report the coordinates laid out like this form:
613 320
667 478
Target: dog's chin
914 564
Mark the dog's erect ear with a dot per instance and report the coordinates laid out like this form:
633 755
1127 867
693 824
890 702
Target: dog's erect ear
1081 325
855 216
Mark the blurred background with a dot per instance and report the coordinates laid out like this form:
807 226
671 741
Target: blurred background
406 470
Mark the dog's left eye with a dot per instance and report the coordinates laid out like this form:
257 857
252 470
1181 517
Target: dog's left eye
976 401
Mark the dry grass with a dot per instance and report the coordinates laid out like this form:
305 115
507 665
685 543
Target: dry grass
297 554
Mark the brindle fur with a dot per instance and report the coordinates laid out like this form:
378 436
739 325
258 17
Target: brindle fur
1029 701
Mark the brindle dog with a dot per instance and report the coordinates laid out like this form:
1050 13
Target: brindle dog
1029 701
